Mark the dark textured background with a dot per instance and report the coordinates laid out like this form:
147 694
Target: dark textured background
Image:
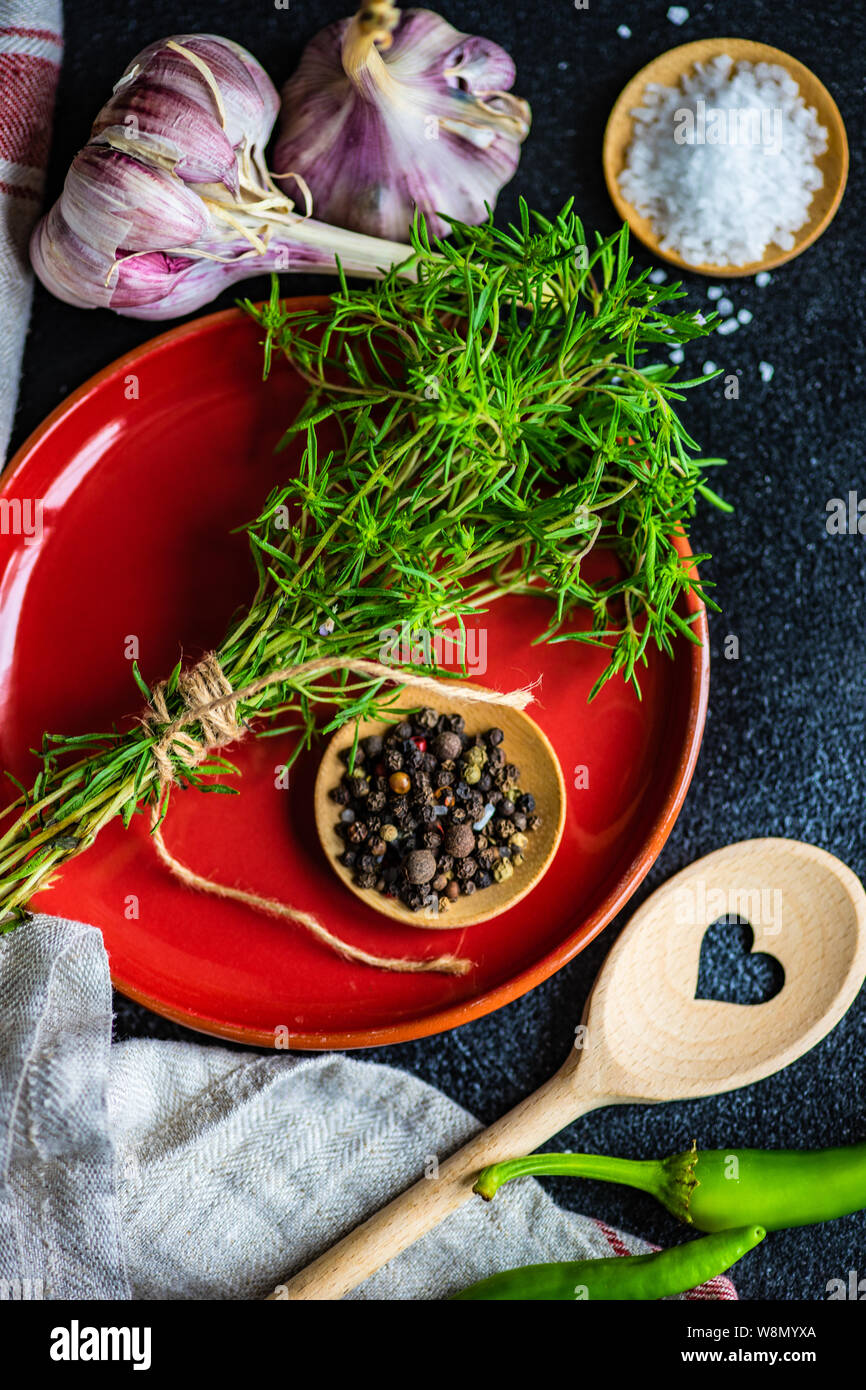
784 746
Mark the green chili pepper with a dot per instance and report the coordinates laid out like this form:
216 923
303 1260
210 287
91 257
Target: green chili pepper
627 1277
714 1189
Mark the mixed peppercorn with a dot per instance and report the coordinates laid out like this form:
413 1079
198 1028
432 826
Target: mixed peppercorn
430 812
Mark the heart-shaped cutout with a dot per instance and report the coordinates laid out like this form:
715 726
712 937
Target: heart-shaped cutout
730 971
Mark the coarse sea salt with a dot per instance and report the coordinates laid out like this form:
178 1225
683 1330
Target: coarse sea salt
725 163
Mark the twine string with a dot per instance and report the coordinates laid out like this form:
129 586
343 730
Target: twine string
210 702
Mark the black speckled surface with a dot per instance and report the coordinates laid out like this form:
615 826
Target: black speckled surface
784 746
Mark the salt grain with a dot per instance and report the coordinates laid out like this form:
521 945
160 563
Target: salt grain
724 163
624 31
724 307
762 279
658 277
708 368
744 315
715 292
678 14
677 356
729 326
766 371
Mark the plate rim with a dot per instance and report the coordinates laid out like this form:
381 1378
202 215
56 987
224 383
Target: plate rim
441 1019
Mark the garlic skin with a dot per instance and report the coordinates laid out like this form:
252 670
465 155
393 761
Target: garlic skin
171 199
390 111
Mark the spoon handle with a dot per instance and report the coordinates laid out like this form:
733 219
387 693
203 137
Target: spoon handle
416 1211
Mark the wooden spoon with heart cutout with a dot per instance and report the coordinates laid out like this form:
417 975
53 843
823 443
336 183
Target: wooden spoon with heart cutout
646 1037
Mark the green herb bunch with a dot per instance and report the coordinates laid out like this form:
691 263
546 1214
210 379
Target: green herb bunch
491 417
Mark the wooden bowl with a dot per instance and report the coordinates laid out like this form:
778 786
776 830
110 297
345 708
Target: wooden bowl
666 70
540 773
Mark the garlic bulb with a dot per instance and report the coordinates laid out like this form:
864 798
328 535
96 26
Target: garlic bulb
388 112
171 199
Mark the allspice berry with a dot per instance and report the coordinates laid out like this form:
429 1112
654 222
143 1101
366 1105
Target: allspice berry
459 840
447 746
420 866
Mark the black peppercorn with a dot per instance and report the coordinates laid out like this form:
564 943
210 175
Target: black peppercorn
341 795
365 880
455 722
495 759
469 886
358 786
526 803
393 760
466 868
373 746
458 815
519 820
494 736
376 801
506 807
475 806
485 782
504 829
356 832
483 879
533 822
404 730
412 757
348 857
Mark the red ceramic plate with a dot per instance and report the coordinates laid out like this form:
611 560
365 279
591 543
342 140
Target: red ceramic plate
143 473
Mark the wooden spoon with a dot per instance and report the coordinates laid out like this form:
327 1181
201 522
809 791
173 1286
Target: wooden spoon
646 1037
667 70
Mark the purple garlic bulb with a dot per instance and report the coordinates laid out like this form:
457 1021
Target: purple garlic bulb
171 199
390 112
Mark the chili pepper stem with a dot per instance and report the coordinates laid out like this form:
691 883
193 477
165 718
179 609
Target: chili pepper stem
649 1174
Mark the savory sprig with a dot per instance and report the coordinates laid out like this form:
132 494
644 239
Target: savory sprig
474 428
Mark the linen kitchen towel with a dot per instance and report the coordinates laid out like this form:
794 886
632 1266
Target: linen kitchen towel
31 44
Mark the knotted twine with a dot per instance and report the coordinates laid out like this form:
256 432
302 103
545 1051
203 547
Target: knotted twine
210 702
